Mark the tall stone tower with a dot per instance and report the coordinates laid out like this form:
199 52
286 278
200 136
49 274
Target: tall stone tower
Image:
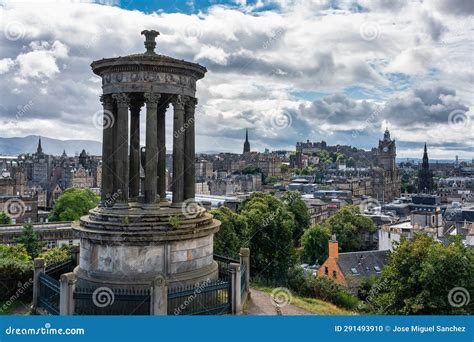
136 234
425 176
246 143
385 175
387 153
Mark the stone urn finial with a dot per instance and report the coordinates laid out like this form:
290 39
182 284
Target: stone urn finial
150 43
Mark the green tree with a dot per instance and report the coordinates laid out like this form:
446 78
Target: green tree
295 204
232 234
72 204
31 240
16 267
315 244
271 180
350 228
420 277
271 228
285 168
4 218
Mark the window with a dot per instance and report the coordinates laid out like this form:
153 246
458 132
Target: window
326 270
334 274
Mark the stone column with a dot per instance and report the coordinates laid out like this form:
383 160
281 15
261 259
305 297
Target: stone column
38 269
121 174
178 151
245 260
67 283
151 154
75 254
159 296
189 150
134 181
162 149
107 149
234 269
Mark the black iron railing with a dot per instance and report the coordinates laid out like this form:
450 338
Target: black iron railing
223 264
55 270
107 301
48 294
208 298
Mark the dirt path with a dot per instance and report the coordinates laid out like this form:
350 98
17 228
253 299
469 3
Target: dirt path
261 304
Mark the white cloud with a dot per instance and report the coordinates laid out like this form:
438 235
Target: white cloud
260 64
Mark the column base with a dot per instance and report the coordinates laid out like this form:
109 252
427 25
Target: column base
121 205
150 206
176 204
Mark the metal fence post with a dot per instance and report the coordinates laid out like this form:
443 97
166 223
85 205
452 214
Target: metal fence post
234 269
67 284
245 260
159 296
38 269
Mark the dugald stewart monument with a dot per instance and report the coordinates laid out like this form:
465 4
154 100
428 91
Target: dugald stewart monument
135 235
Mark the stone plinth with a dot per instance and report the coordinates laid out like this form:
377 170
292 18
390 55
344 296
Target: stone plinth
132 247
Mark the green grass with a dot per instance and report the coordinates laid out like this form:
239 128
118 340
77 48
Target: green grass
313 305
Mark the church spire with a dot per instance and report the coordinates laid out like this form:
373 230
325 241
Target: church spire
246 143
39 149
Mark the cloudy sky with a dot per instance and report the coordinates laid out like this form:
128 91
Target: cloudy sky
289 70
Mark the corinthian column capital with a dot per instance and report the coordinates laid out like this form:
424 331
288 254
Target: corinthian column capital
122 99
152 98
106 100
179 101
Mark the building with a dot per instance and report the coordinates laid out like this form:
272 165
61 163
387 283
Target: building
21 209
348 269
425 176
317 209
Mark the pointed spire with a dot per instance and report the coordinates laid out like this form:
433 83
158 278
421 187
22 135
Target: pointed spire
39 149
246 134
246 143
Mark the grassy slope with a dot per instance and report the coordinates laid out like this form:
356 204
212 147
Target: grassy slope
316 306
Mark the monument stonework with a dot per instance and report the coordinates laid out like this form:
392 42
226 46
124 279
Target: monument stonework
135 235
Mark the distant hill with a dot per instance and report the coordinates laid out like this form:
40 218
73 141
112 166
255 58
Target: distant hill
28 144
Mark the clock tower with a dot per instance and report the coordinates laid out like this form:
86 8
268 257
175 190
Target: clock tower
386 153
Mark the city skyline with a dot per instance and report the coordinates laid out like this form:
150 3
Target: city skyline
404 66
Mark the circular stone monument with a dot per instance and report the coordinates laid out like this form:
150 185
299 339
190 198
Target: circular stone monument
135 234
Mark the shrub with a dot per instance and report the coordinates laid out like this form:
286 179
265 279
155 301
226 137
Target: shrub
16 268
56 255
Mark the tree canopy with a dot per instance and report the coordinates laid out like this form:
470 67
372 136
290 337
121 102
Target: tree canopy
31 240
422 278
232 234
4 218
295 204
350 228
72 204
315 244
271 227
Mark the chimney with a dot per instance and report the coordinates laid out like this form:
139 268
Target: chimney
333 247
